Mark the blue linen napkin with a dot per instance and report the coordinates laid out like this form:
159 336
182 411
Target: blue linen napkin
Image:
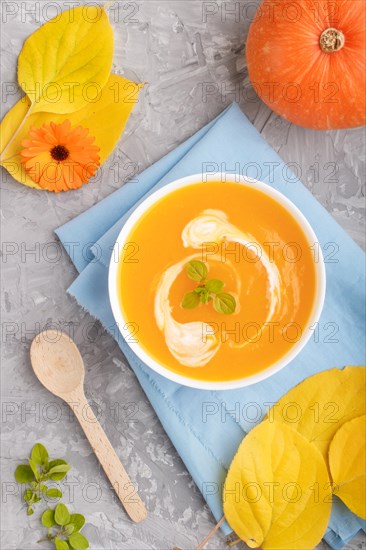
207 427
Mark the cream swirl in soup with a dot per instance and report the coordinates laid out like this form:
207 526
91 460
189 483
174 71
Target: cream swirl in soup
194 344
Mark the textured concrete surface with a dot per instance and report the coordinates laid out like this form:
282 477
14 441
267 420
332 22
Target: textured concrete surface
194 63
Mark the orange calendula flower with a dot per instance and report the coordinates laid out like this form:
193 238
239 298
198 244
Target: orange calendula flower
58 157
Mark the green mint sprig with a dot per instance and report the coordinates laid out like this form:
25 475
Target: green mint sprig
37 472
207 290
64 528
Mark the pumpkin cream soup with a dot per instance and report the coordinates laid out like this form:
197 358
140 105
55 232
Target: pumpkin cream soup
218 281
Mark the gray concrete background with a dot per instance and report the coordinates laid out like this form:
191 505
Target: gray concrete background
181 52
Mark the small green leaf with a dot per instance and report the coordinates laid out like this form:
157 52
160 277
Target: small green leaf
62 515
199 289
190 300
57 475
78 521
54 493
56 462
196 270
30 511
43 488
224 303
39 454
24 473
46 466
34 468
48 518
68 529
59 469
205 297
36 499
78 541
215 286
28 495
61 544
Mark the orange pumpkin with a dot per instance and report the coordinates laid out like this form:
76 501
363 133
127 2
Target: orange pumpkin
306 60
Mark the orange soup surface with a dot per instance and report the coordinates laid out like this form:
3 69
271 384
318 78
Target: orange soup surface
248 241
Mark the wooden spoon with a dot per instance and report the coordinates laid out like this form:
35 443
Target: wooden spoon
59 366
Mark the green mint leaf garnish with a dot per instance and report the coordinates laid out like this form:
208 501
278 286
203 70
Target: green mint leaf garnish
37 473
190 300
78 521
39 454
206 291
78 541
34 468
57 475
61 544
214 285
24 474
205 296
48 518
59 469
63 528
68 529
28 495
62 514
196 270
60 532
54 493
224 303
199 289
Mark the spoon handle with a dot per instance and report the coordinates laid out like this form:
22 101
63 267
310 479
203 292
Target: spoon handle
108 458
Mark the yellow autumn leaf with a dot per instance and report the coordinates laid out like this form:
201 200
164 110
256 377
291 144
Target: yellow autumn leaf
277 491
67 61
347 461
321 404
105 119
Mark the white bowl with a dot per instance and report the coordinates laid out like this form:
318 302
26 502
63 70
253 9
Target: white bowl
122 322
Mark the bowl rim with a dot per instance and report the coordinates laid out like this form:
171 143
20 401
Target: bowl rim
122 323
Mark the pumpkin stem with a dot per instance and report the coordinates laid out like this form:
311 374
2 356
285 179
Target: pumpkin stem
331 40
